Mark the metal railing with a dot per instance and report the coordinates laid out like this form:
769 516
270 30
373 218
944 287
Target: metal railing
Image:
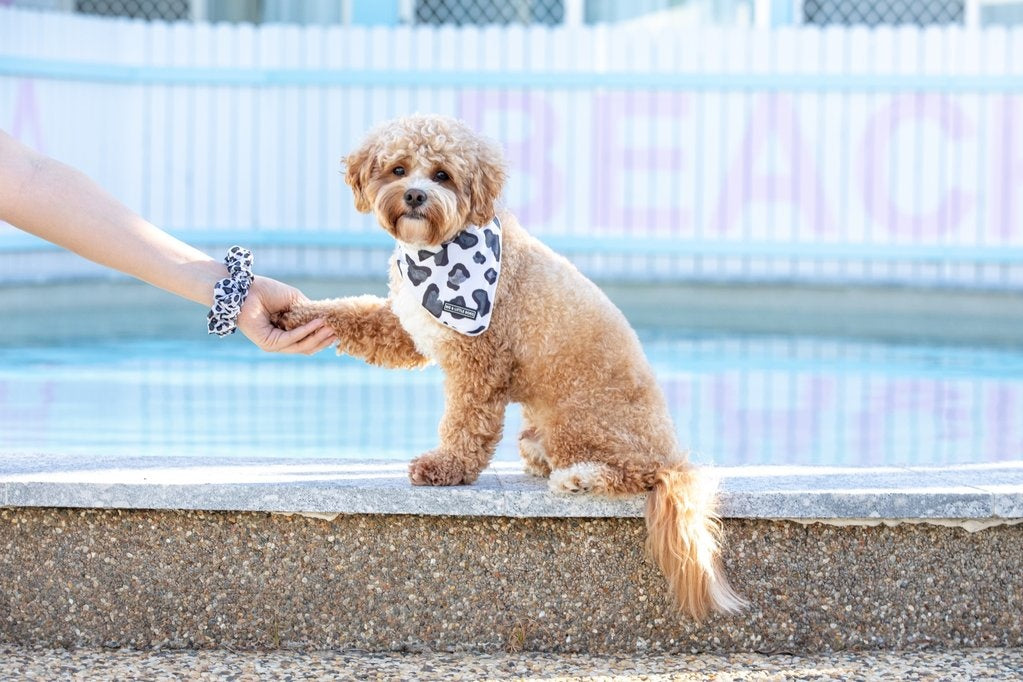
798 154
885 12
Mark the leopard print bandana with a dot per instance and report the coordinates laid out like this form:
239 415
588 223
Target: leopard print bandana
456 281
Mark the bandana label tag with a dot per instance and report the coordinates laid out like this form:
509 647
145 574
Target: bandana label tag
459 311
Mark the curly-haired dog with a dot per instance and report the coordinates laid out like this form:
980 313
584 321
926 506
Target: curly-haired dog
508 320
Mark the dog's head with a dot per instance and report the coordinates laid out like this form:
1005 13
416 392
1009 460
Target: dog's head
426 178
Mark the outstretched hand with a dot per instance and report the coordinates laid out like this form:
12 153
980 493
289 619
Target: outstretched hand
267 297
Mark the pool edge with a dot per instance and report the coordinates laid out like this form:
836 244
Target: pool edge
329 486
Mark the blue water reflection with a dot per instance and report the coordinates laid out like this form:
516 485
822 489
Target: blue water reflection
735 400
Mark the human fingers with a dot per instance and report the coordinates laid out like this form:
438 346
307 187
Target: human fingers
264 334
308 339
317 341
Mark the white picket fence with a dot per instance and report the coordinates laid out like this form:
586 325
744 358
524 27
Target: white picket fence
852 155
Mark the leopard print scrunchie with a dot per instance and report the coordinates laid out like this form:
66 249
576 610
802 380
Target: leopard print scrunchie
229 293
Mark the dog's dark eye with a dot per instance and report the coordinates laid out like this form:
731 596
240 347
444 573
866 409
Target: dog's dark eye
399 170
441 176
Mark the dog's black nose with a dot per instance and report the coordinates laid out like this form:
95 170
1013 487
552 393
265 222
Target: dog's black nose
415 197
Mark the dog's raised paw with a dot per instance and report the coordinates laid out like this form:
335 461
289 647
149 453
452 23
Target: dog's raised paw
584 477
286 320
438 468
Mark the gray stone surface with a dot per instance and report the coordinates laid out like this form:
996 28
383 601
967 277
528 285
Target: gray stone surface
1002 480
338 486
194 579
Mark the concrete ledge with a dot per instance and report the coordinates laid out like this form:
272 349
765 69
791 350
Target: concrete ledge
331 486
250 580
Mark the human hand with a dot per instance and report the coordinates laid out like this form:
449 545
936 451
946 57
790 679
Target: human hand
268 296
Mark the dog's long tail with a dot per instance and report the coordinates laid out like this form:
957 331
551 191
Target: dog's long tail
682 539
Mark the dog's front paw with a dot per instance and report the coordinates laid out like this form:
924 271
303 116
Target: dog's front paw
287 319
295 317
439 468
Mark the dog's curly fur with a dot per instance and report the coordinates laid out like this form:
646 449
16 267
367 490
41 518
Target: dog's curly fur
595 418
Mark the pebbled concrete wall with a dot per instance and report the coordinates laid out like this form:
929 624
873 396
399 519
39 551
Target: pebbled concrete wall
255 580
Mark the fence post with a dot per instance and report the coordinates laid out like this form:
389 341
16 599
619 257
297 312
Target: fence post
971 13
574 13
774 13
375 12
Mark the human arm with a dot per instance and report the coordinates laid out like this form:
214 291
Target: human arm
62 205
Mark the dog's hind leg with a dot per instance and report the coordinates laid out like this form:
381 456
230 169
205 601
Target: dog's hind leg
534 457
583 462
601 478
582 477
531 449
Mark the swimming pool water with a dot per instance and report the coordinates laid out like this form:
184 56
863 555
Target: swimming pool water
735 400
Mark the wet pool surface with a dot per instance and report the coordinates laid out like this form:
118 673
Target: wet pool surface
735 400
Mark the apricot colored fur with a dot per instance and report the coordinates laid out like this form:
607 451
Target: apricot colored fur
596 420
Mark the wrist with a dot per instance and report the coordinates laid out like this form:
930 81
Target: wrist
202 278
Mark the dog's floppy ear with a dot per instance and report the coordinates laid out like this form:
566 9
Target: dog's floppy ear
358 169
486 183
